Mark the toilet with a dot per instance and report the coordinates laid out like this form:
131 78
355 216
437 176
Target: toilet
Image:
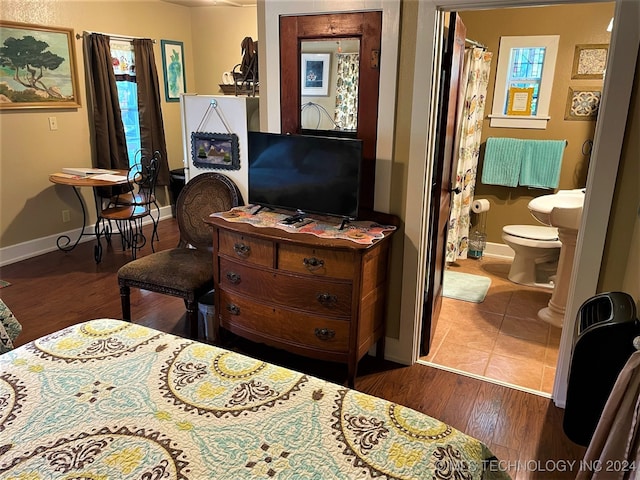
537 250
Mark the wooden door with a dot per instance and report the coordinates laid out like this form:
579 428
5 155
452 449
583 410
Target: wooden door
367 27
440 205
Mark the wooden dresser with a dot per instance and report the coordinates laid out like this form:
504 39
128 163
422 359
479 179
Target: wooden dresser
317 297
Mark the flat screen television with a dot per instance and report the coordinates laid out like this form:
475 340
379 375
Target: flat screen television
305 173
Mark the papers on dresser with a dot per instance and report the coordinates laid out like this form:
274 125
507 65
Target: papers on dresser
85 172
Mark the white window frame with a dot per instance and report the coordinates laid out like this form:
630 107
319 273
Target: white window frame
500 92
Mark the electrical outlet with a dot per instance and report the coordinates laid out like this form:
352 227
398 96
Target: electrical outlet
53 123
66 217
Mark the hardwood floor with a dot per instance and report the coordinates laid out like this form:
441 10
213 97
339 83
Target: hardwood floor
524 431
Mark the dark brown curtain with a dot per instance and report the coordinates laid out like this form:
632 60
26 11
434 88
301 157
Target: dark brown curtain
109 140
149 111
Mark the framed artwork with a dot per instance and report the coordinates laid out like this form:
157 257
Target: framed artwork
315 74
583 103
173 68
215 150
590 61
520 101
50 79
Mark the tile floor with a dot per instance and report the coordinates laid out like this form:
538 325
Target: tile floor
500 338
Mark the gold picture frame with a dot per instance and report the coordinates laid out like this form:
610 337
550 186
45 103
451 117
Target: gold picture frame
520 100
51 79
583 103
590 61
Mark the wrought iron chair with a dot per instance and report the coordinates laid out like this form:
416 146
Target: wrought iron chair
187 270
129 215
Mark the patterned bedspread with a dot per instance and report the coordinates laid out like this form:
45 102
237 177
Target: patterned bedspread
107 399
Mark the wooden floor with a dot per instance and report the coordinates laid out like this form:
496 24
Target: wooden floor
523 430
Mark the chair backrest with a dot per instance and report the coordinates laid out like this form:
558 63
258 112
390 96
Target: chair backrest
144 176
201 196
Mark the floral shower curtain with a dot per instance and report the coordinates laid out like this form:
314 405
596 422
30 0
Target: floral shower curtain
475 78
346 112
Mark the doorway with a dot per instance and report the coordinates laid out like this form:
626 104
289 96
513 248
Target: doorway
508 343
601 182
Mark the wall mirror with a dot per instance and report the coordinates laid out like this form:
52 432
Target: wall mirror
305 41
329 77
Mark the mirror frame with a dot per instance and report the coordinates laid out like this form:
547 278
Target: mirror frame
367 27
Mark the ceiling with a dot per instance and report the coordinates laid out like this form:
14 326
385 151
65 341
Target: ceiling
214 3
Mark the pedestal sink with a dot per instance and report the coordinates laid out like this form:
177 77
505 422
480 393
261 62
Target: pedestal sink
562 210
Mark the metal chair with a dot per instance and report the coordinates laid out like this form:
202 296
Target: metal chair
128 216
187 270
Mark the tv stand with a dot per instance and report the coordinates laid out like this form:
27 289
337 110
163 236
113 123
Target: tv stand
318 297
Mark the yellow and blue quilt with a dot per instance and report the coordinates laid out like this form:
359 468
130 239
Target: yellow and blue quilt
108 399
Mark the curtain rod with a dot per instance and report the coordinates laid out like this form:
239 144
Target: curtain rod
474 43
115 37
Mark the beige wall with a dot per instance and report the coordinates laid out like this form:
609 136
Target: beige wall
576 24
30 206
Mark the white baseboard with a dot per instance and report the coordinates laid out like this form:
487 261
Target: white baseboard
39 246
499 250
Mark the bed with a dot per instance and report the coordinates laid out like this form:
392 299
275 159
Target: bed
108 399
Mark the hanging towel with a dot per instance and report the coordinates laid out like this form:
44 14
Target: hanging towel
541 162
502 159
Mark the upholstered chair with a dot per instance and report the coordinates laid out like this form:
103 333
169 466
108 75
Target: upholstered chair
187 270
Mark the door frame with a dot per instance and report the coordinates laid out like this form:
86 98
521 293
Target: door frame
603 168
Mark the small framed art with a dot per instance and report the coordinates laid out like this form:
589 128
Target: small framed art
173 68
215 150
583 103
590 61
315 74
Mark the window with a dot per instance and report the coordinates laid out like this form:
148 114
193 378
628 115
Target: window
524 79
123 62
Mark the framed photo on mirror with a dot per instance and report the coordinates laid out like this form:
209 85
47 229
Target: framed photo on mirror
315 74
50 80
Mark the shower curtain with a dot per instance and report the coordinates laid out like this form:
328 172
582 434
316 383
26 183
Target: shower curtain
472 97
346 111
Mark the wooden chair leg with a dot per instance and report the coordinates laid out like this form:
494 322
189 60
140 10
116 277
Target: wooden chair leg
125 301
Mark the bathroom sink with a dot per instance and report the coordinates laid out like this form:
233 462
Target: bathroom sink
568 208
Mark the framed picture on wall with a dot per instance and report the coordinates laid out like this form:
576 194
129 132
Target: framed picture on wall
50 79
583 103
173 68
315 74
590 61
215 150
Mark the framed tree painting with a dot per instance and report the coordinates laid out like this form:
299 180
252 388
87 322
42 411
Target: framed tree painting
215 150
315 74
37 67
173 68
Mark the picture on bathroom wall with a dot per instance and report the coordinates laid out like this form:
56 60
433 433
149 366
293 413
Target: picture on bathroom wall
583 103
315 74
215 150
49 79
590 61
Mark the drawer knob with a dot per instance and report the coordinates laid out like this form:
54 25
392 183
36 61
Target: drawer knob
313 263
327 299
325 333
233 309
241 249
233 277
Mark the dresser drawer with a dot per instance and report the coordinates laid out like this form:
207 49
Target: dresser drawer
318 262
246 248
318 296
280 324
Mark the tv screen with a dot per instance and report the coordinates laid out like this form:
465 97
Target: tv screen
306 173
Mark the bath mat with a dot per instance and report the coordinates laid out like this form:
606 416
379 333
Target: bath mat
465 286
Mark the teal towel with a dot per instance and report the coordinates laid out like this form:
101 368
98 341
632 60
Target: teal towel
541 163
502 159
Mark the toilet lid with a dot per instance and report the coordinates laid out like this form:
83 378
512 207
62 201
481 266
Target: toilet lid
534 232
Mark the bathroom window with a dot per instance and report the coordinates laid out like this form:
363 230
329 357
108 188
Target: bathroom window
524 80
